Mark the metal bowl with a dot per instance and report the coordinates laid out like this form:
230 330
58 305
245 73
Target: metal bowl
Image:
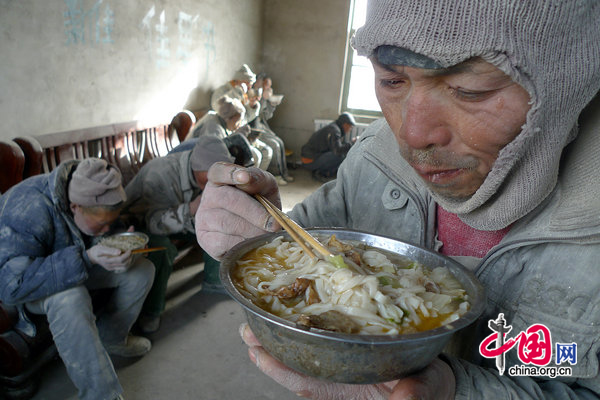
353 358
141 235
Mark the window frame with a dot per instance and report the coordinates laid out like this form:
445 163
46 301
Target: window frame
347 74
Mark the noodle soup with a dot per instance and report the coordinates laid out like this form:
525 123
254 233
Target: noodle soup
378 293
126 241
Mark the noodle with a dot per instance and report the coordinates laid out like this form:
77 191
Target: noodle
379 293
124 242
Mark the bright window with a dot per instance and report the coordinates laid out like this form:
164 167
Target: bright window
358 92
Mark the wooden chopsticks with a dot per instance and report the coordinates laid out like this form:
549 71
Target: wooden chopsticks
148 250
299 234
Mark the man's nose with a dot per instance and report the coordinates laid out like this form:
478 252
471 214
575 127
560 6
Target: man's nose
424 121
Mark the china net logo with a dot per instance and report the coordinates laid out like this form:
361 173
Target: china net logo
534 347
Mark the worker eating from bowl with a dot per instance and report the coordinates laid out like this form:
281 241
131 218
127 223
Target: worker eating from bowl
161 200
488 154
49 263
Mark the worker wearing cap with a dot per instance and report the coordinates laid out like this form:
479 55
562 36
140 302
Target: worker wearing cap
50 260
162 199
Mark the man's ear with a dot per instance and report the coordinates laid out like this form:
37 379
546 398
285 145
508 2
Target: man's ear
73 207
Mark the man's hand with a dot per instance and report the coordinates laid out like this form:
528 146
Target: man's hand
109 258
434 382
228 213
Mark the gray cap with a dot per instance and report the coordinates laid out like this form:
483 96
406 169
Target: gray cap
228 107
207 151
245 74
96 183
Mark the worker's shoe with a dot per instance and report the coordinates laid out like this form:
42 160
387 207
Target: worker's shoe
281 180
135 346
288 178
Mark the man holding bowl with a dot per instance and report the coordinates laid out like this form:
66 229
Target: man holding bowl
486 154
50 261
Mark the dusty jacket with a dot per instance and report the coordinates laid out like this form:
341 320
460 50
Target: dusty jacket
42 251
544 271
160 195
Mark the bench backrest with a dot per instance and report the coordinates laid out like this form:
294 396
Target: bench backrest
13 163
127 145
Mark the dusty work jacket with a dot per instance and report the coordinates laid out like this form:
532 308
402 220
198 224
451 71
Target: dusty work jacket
210 124
546 270
159 195
42 251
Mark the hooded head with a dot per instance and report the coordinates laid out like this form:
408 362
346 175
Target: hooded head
550 48
96 195
229 107
207 151
346 118
95 183
245 74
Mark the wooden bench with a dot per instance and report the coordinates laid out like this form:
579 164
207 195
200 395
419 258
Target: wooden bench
13 163
128 145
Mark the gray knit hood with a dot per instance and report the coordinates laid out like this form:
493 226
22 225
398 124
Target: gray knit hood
551 48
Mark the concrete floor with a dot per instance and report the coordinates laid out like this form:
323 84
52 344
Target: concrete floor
197 353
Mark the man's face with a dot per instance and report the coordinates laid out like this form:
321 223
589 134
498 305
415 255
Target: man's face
347 127
451 123
234 122
93 223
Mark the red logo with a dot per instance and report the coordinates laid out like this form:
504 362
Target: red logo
535 344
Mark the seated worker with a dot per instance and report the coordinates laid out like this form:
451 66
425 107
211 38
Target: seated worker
49 263
227 118
487 153
240 87
237 88
162 199
326 148
278 165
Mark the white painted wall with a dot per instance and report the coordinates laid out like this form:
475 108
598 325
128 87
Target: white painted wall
304 51
70 64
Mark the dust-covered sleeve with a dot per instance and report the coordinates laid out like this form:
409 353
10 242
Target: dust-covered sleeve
167 211
33 264
167 221
336 142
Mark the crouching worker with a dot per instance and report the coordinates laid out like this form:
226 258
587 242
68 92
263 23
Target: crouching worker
163 198
49 262
327 148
